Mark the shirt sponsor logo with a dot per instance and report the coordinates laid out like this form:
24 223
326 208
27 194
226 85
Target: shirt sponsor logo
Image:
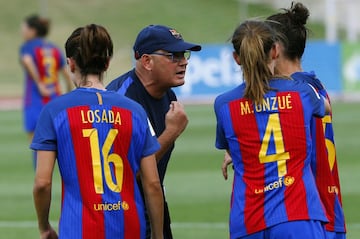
111 206
281 182
333 189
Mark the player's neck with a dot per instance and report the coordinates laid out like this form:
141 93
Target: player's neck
92 81
288 67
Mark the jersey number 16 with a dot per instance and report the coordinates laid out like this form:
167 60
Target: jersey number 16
108 158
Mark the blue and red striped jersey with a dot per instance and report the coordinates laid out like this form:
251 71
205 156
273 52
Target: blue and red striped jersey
324 163
270 145
48 60
100 138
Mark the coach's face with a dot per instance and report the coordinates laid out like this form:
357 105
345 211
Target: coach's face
169 68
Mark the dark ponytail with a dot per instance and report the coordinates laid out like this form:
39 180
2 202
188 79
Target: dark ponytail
91 47
291 24
39 24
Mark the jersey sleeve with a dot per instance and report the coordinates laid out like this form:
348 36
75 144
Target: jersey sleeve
45 135
316 83
25 50
151 145
220 141
317 102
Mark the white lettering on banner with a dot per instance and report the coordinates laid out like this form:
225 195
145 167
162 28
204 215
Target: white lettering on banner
352 69
215 70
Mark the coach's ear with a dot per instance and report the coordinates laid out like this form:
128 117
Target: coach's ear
236 58
147 62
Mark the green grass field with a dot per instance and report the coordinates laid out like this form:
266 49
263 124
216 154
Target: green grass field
197 194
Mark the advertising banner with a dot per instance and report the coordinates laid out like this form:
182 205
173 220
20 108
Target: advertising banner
325 60
210 72
351 66
213 71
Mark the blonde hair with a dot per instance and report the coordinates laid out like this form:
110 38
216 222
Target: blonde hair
252 41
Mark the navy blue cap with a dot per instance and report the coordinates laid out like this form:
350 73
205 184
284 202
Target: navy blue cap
157 37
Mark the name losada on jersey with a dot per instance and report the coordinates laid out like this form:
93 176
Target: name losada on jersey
100 116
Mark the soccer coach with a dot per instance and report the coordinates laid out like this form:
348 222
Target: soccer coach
161 57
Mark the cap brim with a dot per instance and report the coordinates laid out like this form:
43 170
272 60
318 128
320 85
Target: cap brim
182 46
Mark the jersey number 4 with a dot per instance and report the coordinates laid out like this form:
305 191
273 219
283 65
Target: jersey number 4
113 158
280 156
329 144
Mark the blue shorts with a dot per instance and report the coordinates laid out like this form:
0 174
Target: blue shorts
335 235
291 230
31 116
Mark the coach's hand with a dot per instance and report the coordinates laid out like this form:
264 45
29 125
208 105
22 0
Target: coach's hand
224 167
176 119
175 123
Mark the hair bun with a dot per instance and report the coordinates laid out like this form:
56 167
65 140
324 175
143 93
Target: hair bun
299 13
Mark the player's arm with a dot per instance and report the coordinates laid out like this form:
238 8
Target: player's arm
30 67
65 73
153 195
227 161
175 123
42 191
327 105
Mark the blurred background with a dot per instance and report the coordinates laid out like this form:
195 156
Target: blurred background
197 194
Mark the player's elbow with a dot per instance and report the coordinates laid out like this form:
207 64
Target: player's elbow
153 188
41 186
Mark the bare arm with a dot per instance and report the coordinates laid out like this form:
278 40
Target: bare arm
153 195
327 105
42 192
69 85
176 122
30 67
227 161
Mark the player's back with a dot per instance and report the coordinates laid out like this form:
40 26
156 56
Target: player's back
48 60
101 138
324 162
270 146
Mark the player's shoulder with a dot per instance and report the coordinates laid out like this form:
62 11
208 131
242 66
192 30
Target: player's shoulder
118 82
310 78
29 46
125 103
289 85
67 99
231 95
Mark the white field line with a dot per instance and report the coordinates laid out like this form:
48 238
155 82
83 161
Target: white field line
175 225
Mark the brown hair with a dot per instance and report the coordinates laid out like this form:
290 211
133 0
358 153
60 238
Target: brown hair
252 41
291 24
39 24
91 47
